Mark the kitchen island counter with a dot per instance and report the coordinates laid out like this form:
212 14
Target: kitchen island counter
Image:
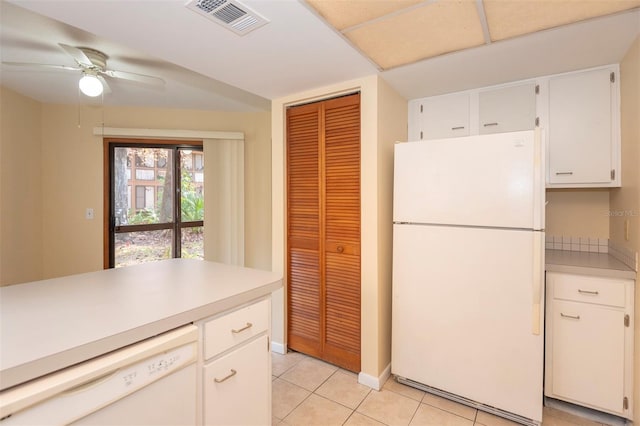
52 324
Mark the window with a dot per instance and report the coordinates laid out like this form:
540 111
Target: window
146 222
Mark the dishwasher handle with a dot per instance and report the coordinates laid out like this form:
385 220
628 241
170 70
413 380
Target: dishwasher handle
90 383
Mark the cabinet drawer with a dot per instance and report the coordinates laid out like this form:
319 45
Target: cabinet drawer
235 327
582 288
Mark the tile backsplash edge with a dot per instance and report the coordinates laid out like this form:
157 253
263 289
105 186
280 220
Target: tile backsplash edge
624 255
593 245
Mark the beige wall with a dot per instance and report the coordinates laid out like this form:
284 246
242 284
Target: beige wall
72 168
578 213
380 126
625 201
392 127
72 182
20 189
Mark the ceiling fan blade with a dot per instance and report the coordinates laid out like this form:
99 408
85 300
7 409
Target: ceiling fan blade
31 65
142 78
105 85
76 54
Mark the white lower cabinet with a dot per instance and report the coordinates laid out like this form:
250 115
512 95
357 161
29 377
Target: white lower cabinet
589 342
235 362
236 389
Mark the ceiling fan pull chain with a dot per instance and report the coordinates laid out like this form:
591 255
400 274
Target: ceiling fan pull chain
78 106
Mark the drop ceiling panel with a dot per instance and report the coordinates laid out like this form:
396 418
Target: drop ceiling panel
424 32
344 14
508 19
582 45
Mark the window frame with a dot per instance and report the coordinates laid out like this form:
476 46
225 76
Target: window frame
109 226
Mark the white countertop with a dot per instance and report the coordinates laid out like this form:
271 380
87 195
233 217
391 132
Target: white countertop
51 324
585 263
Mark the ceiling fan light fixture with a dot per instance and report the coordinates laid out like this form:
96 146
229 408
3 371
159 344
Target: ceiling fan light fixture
90 85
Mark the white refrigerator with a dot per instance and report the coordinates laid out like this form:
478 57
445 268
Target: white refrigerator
468 270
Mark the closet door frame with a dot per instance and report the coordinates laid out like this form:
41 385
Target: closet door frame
300 343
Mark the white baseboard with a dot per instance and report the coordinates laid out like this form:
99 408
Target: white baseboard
375 382
278 348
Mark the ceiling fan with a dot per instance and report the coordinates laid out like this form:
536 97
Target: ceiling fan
93 66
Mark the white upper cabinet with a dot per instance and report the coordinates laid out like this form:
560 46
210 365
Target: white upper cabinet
442 117
578 112
583 136
507 109
476 112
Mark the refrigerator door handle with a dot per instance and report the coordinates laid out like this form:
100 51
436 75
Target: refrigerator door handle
538 271
539 187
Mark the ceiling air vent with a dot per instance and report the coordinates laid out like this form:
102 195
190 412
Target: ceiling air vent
231 14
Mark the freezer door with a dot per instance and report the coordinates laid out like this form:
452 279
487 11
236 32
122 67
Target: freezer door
488 180
466 313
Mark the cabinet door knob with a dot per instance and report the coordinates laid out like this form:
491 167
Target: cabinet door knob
576 317
239 330
227 377
339 249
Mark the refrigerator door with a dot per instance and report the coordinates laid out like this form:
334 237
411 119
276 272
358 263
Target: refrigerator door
488 180
466 313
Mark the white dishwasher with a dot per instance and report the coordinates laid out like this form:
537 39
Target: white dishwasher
152 382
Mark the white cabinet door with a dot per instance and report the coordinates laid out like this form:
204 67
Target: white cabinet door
589 341
580 128
507 109
237 386
588 354
444 116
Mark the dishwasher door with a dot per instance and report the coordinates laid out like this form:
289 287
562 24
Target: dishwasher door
152 382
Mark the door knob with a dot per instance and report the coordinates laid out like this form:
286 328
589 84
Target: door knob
340 249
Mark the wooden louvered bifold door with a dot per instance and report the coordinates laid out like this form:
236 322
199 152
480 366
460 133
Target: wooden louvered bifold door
323 241
303 223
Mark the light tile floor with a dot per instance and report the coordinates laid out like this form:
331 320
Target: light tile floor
307 391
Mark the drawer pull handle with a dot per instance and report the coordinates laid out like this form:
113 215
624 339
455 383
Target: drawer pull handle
595 293
564 173
490 124
576 317
227 377
457 128
240 330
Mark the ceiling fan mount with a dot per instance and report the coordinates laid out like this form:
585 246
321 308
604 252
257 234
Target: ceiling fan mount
97 58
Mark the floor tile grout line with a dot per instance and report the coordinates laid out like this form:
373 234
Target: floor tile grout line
364 415
313 392
355 410
303 400
414 412
431 405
